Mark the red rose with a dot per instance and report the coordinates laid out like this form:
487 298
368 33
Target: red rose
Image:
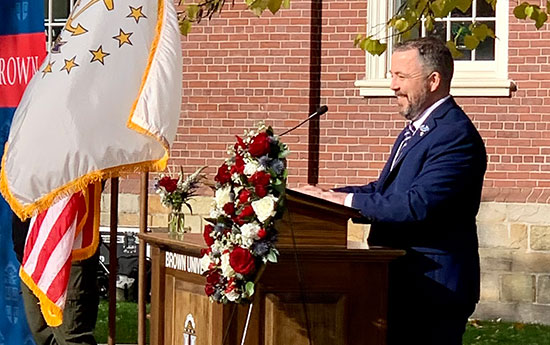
213 278
247 211
223 175
240 143
206 234
244 195
238 167
260 178
259 145
209 290
229 208
260 190
242 261
170 184
239 221
262 233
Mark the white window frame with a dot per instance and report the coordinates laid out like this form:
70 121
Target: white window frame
471 78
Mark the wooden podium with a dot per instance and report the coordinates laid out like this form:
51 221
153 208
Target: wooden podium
320 289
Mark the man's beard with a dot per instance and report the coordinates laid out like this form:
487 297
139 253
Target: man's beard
415 108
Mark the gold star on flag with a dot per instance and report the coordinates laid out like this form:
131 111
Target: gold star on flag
136 13
47 69
99 54
123 37
69 65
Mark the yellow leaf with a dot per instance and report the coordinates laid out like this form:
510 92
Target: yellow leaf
274 5
429 23
463 5
185 27
471 42
401 25
452 47
541 19
519 11
192 11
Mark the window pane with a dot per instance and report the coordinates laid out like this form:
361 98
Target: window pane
484 9
486 49
461 29
439 31
60 10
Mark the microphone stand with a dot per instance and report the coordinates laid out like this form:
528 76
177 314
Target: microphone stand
319 112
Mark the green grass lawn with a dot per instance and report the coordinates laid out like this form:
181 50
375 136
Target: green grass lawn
126 323
506 333
477 332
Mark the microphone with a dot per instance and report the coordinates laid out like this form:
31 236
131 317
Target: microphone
323 109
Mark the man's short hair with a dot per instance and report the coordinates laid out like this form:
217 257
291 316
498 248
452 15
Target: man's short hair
434 56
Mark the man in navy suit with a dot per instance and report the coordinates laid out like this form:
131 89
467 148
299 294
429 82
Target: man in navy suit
425 201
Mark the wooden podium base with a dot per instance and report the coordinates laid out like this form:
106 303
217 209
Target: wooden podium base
343 299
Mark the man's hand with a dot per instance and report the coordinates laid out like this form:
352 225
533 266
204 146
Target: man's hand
317 192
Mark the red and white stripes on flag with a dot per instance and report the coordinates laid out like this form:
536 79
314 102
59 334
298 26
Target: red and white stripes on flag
68 231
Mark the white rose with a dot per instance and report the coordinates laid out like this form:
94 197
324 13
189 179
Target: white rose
205 263
215 213
250 230
265 207
223 196
251 167
227 270
233 295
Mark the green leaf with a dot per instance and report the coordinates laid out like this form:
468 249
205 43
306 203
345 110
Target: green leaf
249 289
452 47
541 19
286 3
493 4
192 11
471 42
401 25
519 11
530 11
429 23
258 6
274 5
441 8
272 256
463 5
480 31
376 48
185 27
547 6
356 42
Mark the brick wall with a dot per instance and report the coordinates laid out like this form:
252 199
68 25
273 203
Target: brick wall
239 69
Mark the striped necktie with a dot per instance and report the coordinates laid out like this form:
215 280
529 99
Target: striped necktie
407 135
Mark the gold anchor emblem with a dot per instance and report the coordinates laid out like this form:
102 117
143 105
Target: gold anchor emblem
79 29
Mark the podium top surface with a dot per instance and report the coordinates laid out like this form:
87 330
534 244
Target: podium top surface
192 243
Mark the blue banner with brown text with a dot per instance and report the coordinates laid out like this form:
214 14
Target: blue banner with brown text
23 48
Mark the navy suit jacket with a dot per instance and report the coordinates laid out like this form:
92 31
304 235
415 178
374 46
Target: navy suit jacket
427 205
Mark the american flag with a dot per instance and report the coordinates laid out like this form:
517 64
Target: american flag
66 232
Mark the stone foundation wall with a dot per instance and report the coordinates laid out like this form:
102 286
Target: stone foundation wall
514 243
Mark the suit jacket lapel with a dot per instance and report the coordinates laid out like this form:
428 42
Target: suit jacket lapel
427 127
386 170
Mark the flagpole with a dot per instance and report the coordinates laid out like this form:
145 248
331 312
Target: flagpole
142 277
113 261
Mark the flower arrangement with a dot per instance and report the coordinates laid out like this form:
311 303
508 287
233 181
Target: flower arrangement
249 197
176 192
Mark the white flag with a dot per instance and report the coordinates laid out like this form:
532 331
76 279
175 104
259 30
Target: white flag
105 102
